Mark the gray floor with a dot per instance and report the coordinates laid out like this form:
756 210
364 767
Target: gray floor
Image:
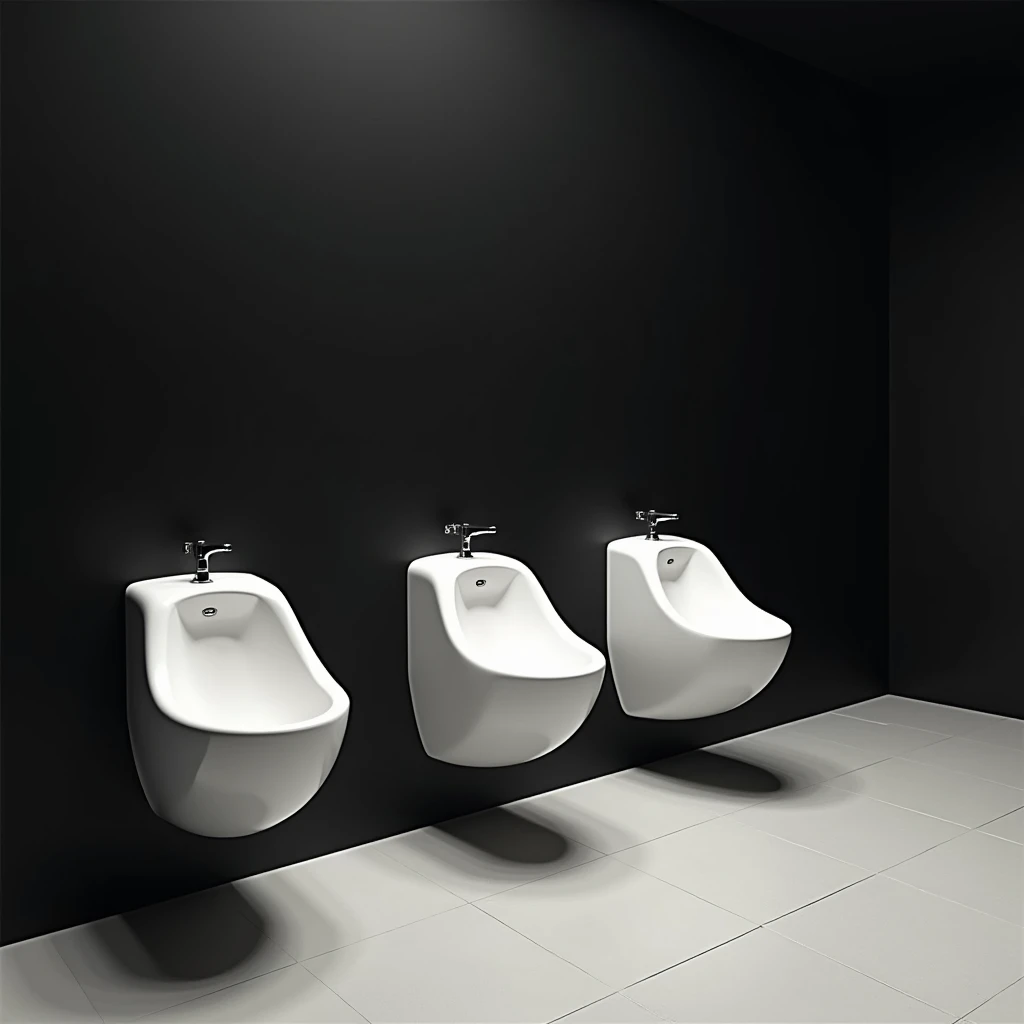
858 866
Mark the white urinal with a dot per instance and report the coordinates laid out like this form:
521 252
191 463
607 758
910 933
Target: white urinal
235 723
683 641
496 676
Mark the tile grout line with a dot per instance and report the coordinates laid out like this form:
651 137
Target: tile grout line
941 736
914 809
685 828
903 725
517 885
911 810
225 988
990 998
752 737
540 945
766 799
416 871
796 910
753 927
771 835
876 871
74 976
559 871
569 1013
1002 839
956 903
620 992
261 974
981 828
672 967
881 873
601 855
321 981
863 974
761 924
958 771
904 755
377 935
88 924
696 896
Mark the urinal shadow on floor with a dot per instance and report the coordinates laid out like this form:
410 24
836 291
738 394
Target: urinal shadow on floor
184 940
504 835
718 772
764 776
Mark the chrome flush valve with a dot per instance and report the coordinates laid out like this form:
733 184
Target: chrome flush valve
652 518
202 551
466 532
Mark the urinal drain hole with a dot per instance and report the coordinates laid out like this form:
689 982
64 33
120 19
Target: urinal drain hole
670 561
209 612
481 583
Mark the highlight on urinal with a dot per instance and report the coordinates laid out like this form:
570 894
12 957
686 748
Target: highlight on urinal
235 723
683 641
497 678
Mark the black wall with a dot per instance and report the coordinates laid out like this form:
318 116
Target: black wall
318 278
957 326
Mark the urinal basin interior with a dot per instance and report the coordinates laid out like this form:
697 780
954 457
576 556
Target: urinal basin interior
683 640
504 628
235 723
496 677
236 668
702 595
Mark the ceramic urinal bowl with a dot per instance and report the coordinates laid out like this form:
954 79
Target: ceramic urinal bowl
235 723
496 676
682 640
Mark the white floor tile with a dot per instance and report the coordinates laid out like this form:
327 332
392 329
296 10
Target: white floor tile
1005 732
1009 826
940 952
617 811
976 869
919 714
321 904
459 966
137 963
483 854
965 754
879 738
615 1009
762 978
289 996
963 799
1005 1008
796 760
777 828
614 922
869 833
36 986
741 869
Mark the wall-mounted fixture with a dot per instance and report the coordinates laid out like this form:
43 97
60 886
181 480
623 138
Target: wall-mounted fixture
683 641
496 676
235 723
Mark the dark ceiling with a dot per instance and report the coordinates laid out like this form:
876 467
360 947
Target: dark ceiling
894 47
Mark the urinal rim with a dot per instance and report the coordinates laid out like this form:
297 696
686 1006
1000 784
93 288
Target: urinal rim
450 572
157 677
648 566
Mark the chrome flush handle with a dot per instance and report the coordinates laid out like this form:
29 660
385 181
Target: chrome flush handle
652 518
202 551
466 532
